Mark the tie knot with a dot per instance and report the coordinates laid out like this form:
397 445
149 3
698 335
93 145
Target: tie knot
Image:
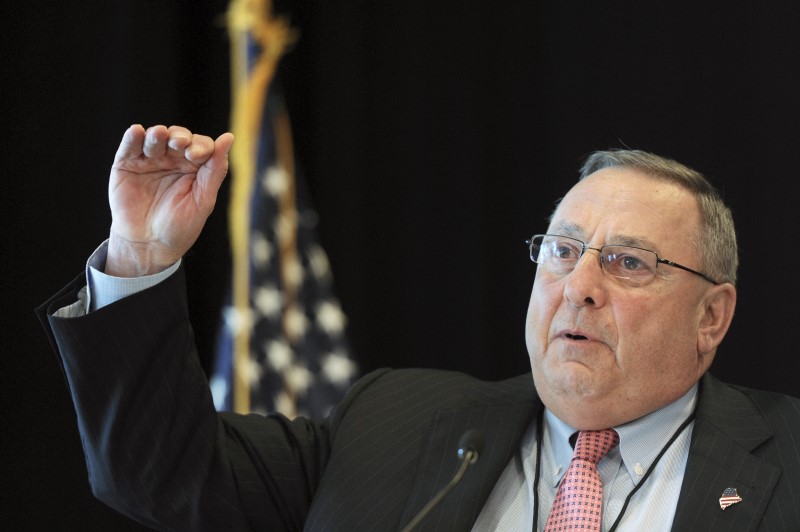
593 445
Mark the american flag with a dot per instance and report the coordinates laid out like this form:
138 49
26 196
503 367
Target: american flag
282 346
729 496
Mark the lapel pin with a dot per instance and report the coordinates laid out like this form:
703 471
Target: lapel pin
729 497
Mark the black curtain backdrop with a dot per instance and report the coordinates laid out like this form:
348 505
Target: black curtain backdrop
434 138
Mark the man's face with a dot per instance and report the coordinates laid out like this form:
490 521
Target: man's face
604 352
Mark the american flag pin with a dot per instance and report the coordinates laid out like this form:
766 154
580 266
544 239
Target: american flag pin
729 496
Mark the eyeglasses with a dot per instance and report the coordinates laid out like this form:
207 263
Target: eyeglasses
560 255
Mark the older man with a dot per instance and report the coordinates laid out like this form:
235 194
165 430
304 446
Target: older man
620 428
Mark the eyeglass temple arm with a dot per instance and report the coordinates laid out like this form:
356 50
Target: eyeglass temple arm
684 268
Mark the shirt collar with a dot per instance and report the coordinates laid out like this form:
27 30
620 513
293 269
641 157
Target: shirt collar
557 434
640 440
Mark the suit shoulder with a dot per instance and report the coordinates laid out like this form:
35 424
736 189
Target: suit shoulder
750 413
782 411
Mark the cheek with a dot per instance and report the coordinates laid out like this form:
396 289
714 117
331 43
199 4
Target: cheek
543 304
655 341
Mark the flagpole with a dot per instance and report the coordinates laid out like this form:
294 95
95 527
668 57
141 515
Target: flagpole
247 19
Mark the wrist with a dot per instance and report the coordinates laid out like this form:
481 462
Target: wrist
136 259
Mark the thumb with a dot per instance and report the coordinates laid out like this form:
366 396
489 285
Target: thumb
214 170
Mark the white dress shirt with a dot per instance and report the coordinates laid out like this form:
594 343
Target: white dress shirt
652 508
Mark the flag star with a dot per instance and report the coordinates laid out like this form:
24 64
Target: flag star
275 180
330 317
338 368
297 379
237 320
268 300
279 354
318 261
295 322
261 249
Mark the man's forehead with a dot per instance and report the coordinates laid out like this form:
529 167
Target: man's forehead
626 206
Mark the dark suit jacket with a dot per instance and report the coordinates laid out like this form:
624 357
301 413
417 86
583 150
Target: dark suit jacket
157 451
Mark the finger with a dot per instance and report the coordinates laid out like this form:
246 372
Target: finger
219 159
213 172
222 146
131 144
199 150
155 141
179 138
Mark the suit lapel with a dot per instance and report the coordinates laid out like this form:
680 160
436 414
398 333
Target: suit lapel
502 412
728 427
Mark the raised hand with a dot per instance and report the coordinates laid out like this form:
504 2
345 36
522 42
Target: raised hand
163 187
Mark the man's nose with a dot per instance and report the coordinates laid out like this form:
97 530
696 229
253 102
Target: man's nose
584 284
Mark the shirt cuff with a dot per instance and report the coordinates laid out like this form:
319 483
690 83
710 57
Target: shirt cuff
105 289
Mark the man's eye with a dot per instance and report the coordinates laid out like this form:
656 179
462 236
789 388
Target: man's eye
564 252
631 263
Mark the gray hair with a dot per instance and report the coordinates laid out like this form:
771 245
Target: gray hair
716 243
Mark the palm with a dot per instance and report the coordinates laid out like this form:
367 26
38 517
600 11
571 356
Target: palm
155 201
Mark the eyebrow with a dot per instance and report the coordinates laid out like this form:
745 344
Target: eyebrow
568 229
576 231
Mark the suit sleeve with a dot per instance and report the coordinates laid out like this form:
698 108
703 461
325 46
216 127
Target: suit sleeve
155 448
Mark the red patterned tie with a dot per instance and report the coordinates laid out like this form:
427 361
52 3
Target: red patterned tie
579 501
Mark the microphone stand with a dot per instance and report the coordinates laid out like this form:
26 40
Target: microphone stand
469 457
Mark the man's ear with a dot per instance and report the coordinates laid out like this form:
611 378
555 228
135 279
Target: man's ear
716 313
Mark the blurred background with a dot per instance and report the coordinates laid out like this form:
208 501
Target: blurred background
433 138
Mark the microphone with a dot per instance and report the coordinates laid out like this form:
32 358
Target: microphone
470 445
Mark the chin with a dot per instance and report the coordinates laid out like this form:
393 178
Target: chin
574 380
